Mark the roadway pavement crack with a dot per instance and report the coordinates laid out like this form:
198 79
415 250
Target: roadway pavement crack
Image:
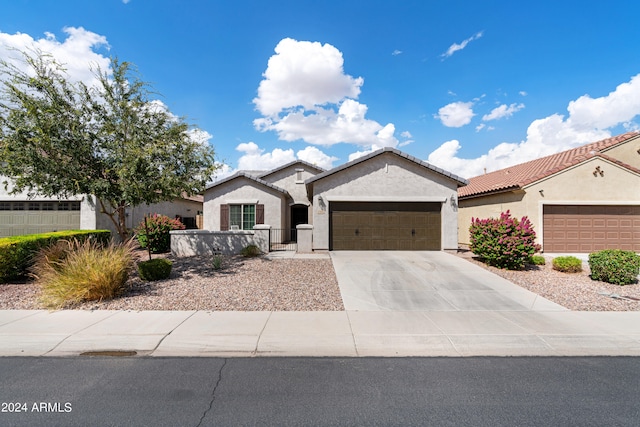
213 394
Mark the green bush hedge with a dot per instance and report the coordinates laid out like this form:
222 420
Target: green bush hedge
537 260
250 251
614 266
17 252
154 269
567 264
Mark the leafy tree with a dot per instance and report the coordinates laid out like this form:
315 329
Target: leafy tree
62 138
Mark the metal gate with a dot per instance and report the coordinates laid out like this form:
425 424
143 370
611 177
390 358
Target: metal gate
283 239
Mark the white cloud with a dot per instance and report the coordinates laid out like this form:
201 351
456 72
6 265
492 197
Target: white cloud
456 47
523 93
305 95
201 136
406 134
589 120
359 154
503 111
76 52
316 157
480 127
223 171
255 158
396 52
456 114
304 74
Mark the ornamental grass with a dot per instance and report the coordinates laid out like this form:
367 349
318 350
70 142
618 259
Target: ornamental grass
73 272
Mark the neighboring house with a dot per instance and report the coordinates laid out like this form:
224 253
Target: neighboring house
21 214
580 200
384 200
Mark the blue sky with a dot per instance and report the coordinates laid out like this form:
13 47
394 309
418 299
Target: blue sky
464 85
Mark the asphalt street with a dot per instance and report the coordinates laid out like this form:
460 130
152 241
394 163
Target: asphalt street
482 391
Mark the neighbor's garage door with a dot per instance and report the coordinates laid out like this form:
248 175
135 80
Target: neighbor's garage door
385 226
17 218
584 229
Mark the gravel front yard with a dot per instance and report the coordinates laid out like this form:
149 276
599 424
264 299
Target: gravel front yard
575 291
245 284
262 284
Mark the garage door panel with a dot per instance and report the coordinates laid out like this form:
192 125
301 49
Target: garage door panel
586 228
401 227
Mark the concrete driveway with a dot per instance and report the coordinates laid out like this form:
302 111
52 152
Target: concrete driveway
426 281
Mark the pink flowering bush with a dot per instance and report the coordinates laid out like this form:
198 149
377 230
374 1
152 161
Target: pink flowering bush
503 242
158 238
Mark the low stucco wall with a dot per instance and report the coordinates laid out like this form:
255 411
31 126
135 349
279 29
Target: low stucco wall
185 243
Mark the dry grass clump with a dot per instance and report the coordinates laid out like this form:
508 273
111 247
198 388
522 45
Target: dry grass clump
71 272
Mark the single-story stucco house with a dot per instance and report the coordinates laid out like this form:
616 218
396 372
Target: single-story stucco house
579 201
21 214
384 200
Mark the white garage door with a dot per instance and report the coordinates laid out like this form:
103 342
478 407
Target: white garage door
18 218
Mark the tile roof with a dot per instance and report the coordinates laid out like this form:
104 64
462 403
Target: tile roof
518 176
295 162
242 174
461 181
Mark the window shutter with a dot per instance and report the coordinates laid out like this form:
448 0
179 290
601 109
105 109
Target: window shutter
224 217
259 214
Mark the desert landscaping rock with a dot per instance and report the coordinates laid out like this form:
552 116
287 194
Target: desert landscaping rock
244 284
575 291
262 284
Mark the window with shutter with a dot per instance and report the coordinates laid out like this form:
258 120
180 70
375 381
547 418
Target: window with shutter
224 217
259 214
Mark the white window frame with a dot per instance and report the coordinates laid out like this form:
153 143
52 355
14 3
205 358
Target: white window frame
243 212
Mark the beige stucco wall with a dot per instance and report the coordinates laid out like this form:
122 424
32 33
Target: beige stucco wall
286 179
244 191
386 177
576 185
627 152
182 207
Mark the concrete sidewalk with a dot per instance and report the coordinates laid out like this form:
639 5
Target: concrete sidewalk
344 333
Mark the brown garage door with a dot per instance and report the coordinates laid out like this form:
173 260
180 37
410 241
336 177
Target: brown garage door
584 229
385 226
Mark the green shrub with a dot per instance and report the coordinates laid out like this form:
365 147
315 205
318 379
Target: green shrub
503 242
567 264
154 269
158 238
17 253
250 251
217 262
83 271
614 266
537 260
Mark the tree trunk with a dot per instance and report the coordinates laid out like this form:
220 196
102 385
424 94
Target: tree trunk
122 224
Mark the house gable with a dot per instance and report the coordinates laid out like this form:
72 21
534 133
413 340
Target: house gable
627 152
387 176
292 177
241 189
619 149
